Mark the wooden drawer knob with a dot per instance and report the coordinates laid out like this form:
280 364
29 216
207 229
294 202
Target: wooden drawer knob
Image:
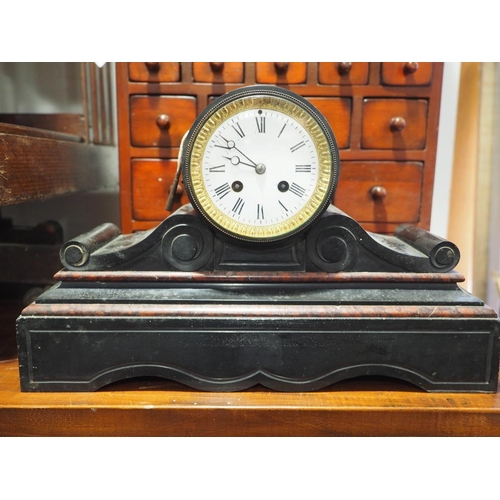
281 67
163 121
410 67
378 192
397 123
217 67
153 66
344 68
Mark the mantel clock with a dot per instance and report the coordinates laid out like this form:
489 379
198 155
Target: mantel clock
260 279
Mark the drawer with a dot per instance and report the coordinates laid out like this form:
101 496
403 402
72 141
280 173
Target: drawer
343 73
380 191
218 72
337 111
154 72
406 73
394 124
281 72
151 181
160 121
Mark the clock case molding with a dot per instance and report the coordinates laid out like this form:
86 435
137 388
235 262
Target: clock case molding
182 302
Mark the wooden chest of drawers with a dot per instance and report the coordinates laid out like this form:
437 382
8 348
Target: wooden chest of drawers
384 116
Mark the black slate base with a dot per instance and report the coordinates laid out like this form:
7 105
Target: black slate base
229 336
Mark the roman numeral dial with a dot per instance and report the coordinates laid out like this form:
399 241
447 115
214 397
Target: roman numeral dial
258 166
261 124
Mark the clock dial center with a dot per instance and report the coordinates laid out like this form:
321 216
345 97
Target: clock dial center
260 168
258 138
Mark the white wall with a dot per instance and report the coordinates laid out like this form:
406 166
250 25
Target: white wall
445 150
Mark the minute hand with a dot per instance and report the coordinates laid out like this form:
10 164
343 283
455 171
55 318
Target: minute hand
243 154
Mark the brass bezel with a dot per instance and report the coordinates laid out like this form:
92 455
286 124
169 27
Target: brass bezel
317 201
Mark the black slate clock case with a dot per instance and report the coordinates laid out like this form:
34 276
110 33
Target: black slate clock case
185 302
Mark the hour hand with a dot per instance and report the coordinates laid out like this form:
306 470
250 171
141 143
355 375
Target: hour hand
235 160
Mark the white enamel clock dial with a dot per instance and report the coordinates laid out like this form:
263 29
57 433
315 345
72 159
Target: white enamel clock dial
261 164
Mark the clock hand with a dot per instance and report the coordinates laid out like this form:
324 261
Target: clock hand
243 154
235 160
260 168
232 145
229 144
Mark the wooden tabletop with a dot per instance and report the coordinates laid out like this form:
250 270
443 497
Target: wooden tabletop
156 407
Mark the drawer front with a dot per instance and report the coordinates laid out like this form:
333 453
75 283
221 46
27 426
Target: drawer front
283 73
342 73
380 191
218 72
151 181
337 111
160 121
394 124
406 73
154 72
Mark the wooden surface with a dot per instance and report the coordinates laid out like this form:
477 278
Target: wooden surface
281 73
151 182
224 72
46 155
399 200
154 72
360 101
155 407
400 73
146 112
51 168
330 73
61 122
378 132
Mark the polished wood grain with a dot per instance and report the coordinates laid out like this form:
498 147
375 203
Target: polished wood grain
335 73
281 73
154 72
337 112
10 308
155 407
218 72
334 99
406 73
394 124
160 121
151 183
385 192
